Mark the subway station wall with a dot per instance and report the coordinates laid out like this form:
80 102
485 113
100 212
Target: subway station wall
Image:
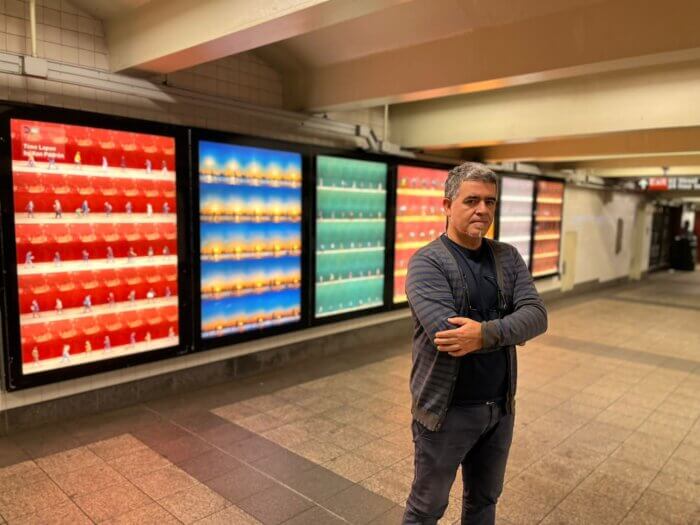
593 215
246 78
69 36
250 223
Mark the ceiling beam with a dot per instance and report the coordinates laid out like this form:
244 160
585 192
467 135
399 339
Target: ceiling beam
656 98
591 39
622 146
163 36
651 161
678 171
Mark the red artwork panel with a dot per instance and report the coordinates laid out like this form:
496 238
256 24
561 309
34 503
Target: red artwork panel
419 217
96 235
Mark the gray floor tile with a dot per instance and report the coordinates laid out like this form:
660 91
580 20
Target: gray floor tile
252 449
393 516
209 465
200 421
315 516
225 434
158 432
358 505
318 483
275 505
239 484
182 449
284 465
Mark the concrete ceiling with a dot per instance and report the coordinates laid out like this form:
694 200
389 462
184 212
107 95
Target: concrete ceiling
163 36
594 84
108 9
412 23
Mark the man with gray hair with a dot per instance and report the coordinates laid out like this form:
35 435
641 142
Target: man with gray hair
472 300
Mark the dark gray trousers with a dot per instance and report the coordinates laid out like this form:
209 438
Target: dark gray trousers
476 437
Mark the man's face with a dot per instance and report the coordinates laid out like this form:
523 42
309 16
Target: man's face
472 211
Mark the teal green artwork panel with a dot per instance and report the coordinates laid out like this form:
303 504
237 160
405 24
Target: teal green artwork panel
350 234
334 297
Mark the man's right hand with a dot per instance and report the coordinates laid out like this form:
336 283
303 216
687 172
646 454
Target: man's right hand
464 339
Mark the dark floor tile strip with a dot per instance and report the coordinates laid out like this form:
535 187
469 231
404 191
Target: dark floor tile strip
316 516
654 302
250 468
275 505
616 352
36 444
674 278
682 295
393 516
11 453
358 504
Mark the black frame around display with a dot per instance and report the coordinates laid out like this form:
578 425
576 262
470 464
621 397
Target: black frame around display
497 220
12 354
561 224
497 230
317 321
197 135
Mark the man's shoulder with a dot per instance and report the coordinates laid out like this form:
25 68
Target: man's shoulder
433 250
500 247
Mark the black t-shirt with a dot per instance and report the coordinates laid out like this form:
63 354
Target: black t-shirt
482 377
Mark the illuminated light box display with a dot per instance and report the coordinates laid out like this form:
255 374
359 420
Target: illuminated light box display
350 235
515 209
548 214
250 238
419 217
96 235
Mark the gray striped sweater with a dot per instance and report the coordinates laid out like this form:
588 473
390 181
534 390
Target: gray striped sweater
435 290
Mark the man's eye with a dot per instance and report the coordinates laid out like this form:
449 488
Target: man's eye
471 202
490 202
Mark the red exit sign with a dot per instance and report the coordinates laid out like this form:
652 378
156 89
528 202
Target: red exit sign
658 184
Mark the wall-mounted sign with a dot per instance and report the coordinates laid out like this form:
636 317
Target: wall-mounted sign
657 184
684 183
669 183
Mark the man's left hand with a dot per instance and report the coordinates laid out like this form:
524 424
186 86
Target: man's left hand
462 340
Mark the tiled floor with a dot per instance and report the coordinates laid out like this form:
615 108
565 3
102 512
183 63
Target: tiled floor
607 431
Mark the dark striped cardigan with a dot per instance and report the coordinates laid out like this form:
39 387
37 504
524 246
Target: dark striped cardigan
436 292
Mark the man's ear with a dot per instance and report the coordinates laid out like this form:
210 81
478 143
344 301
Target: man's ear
446 205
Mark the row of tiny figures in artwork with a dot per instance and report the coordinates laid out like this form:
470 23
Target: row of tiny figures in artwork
78 161
85 255
151 295
85 209
106 345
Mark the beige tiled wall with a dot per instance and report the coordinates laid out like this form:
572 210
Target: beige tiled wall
370 117
593 215
64 33
67 35
244 77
